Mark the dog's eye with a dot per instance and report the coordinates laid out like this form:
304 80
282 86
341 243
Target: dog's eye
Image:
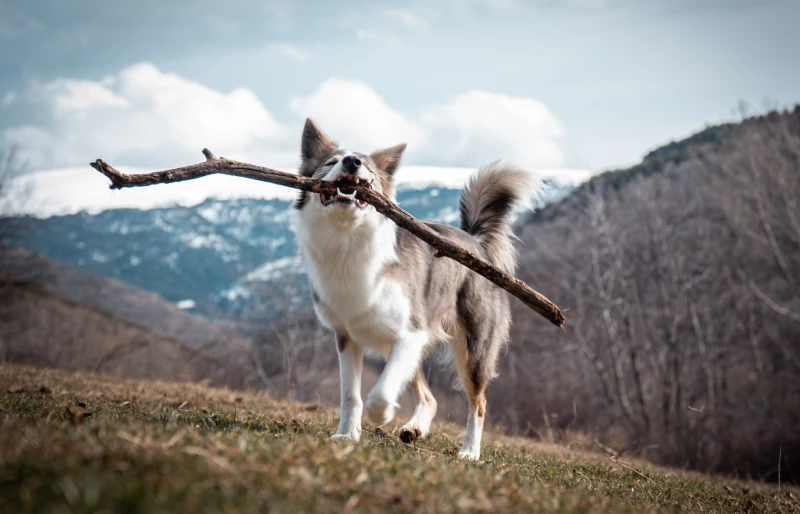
331 162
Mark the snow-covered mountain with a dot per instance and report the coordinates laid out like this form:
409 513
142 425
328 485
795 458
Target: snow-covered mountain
227 260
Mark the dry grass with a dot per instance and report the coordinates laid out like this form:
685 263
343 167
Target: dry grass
87 443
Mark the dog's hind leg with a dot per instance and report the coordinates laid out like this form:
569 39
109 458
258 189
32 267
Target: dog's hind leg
351 363
471 449
474 378
419 426
484 327
404 359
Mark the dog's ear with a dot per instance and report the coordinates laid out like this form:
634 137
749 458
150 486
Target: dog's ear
388 159
316 143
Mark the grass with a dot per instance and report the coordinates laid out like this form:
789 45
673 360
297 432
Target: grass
76 442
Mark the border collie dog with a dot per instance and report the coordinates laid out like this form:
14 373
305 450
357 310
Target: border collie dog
383 291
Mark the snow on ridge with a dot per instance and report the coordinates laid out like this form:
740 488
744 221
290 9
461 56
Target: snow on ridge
275 269
72 190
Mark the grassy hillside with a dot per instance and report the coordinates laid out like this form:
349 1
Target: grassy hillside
57 316
85 443
119 300
42 328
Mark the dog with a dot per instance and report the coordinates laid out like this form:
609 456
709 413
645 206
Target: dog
383 291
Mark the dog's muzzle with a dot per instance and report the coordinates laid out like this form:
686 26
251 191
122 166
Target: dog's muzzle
345 193
351 164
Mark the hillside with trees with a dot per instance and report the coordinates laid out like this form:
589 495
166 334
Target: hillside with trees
679 277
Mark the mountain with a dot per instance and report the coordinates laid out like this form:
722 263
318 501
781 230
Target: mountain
58 316
219 259
712 139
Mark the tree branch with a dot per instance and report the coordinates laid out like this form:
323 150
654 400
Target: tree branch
443 245
769 302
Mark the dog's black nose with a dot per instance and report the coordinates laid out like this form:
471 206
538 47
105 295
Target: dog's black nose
351 164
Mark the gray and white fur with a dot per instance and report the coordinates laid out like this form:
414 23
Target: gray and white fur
383 291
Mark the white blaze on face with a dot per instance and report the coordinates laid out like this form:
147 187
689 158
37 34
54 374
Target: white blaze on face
338 169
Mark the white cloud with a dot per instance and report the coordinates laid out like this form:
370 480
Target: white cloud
72 97
289 51
478 126
474 128
140 116
146 118
355 115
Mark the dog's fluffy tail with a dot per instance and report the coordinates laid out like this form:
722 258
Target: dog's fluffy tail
486 206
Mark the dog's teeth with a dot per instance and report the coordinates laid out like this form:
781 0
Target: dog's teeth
351 195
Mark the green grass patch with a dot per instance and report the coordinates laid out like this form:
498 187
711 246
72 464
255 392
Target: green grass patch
88 443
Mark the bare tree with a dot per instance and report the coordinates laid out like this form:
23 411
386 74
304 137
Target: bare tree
10 168
681 286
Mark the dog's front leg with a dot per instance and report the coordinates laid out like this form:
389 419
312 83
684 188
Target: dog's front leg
403 361
351 363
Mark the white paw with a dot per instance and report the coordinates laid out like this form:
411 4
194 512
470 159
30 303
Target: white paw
473 456
380 410
346 438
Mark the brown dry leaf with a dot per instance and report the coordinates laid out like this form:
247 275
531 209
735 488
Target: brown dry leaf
16 389
350 504
201 452
77 416
175 439
361 478
302 473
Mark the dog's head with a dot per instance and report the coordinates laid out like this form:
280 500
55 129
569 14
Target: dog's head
323 159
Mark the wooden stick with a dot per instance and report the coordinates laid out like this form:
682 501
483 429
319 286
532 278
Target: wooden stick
445 246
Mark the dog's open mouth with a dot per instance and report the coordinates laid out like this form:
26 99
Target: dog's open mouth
345 194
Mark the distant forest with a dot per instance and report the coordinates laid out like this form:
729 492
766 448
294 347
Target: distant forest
680 276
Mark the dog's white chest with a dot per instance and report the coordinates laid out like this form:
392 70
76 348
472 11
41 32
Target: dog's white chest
380 324
372 312
346 267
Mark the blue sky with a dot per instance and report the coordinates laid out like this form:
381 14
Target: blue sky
579 84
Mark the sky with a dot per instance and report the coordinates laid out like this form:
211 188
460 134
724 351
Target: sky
575 85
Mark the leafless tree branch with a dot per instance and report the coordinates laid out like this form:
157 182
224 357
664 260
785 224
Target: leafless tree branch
769 302
445 246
